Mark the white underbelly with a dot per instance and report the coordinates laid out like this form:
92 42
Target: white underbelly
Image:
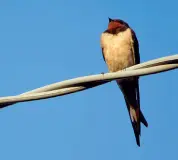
117 50
118 55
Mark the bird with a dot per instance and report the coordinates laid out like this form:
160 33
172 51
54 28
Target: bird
120 49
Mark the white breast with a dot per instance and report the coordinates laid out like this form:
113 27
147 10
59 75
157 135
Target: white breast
117 50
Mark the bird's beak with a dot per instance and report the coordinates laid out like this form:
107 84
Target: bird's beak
110 20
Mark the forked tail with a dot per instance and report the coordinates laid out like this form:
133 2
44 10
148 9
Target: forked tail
130 90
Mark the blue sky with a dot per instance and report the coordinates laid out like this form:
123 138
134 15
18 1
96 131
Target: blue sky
42 42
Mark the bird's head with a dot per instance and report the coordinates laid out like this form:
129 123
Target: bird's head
116 25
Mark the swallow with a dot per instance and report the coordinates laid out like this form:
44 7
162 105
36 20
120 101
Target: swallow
120 49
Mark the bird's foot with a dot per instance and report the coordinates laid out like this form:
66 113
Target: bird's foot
124 69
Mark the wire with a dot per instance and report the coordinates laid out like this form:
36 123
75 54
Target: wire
86 82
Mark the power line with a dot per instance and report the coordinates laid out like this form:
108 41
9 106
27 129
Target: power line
86 82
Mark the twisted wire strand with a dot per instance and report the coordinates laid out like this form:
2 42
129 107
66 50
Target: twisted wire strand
86 82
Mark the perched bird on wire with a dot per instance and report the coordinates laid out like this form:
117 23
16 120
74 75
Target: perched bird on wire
120 50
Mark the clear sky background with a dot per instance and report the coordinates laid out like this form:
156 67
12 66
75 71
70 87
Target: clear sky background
45 41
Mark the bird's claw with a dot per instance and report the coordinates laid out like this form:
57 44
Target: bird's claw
124 69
